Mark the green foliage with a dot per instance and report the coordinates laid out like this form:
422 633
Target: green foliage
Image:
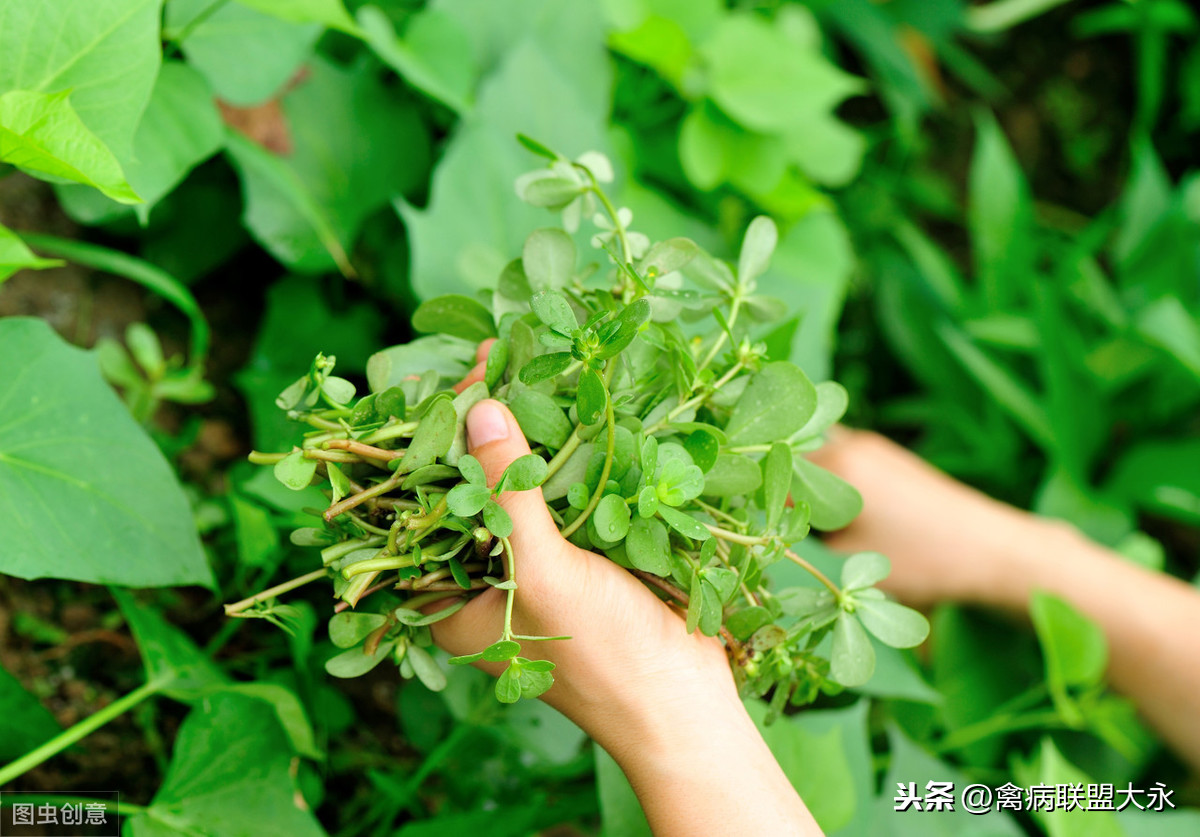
1026 315
607 354
65 434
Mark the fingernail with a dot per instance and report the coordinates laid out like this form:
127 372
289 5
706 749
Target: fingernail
486 423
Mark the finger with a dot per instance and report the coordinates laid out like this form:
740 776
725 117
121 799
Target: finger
474 376
495 439
479 370
482 350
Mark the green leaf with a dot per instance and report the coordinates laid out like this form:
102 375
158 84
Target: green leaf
172 660
824 754
704 448
647 546
542 421
777 481
106 58
832 501
757 247
620 811
103 507
549 259
544 367
295 471
778 401
472 470
684 523
363 146
180 129
1000 384
508 684
1074 647
461 242
24 722
497 363
426 668
647 501
434 55
627 324
232 773
355 662
765 80
612 517
245 55
832 401
348 629
467 500
433 438
591 397
999 211
852 659
864 569
524 472
1049 767
894 624
497 520
14 255
457 315
733 475
501 651
42 134
535 682
553 309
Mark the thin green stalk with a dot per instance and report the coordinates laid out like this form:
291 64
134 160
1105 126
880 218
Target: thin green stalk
997 725
564 453
78 732
149 276
375 565
815 573
272 592
512 592
696 400
734 307
611 419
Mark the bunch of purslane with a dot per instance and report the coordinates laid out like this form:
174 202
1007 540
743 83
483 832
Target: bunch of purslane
663 437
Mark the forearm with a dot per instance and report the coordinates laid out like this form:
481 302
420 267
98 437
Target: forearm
1152 621
699 766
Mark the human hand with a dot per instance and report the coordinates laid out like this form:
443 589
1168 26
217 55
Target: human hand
629 658
946 541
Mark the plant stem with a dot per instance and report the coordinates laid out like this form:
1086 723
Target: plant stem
817 574
272 592
395 431
81 730
369 451
353 500
997 725
611 419
735 305
564 453
375 565
696 400
512 592
736 537
618 227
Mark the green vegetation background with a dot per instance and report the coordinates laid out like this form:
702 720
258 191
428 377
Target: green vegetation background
990 222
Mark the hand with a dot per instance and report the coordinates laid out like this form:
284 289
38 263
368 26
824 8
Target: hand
661 701
628 648
946 540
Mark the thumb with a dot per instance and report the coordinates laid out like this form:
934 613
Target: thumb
495 439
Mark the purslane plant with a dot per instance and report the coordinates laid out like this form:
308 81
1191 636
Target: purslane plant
664 437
